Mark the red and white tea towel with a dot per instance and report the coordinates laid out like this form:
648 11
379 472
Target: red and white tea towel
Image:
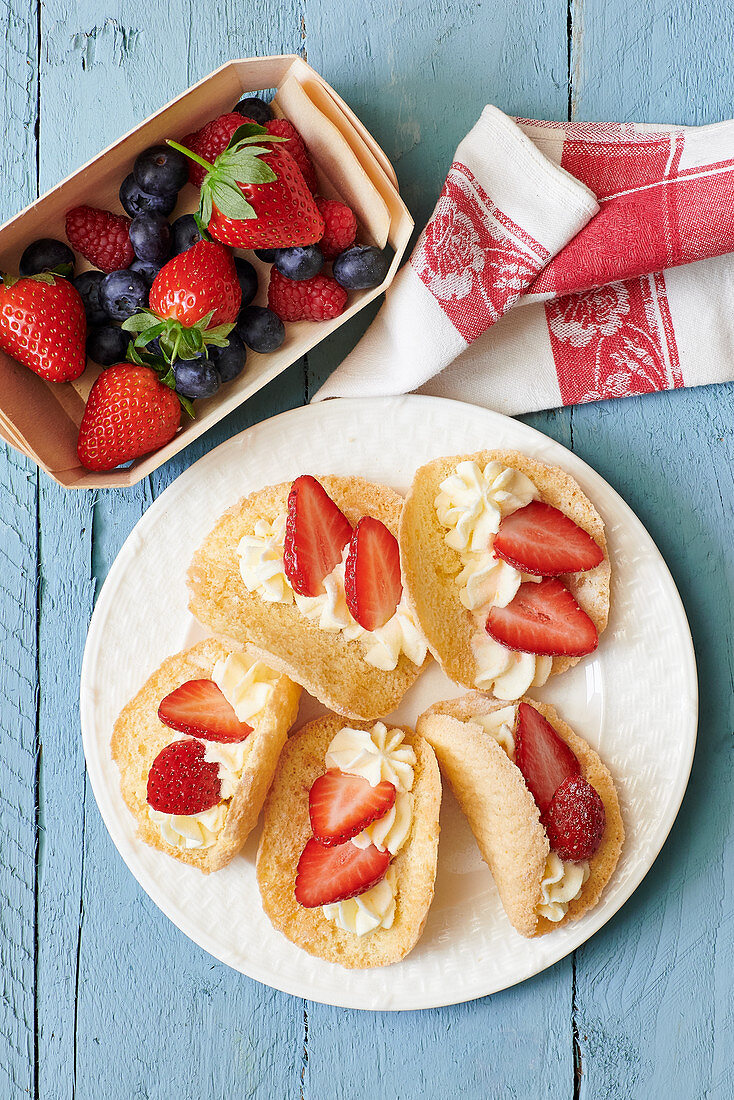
564 262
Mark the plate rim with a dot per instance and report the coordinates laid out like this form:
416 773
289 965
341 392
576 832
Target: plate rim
147 881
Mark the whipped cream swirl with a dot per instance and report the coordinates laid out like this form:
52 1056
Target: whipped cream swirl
471 504
261 569
375 754
562 882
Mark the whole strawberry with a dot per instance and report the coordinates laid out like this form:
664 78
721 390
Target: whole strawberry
201 280
254 195
43 325
101 237
317 299
194 301
129 413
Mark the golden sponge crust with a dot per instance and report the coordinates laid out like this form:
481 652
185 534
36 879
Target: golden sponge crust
286 829
139 735
430 566
503 814
327 665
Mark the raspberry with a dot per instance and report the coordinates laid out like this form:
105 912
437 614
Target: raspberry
317 299
101 237
296 146
341 227
210 141
575 819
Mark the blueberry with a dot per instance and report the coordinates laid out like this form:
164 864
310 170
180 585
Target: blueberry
302 262
89 283
147 269
260 328
184 233
248 279
361 267
154 348
196 378
229 361
123 293
135 201
267 255
108 345
150 236
46 255
160 170
254 108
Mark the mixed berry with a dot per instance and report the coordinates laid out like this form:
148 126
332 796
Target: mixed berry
169 308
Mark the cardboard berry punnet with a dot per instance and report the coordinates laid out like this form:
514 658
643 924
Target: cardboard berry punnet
41 419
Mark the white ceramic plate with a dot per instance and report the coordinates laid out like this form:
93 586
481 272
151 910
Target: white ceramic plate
635 701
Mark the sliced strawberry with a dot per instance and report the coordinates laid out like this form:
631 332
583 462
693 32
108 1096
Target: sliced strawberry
199 709
575 819
543 618
543 540
372 581
181 781
544 758
341 806
326 875
316 533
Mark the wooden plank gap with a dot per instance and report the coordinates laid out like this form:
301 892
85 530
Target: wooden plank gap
37 807
304 1054
577 1063
77 961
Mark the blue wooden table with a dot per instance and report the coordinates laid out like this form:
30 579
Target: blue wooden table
101 996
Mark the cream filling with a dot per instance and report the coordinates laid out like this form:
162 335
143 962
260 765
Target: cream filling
389 832
500 724
261 569
375 754
562 882
188 831
246 684
367 912
471 504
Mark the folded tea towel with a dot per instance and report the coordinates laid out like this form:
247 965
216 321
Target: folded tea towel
564 262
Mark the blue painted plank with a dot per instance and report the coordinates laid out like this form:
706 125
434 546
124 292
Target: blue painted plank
18 586
214 1030
18 560
654 992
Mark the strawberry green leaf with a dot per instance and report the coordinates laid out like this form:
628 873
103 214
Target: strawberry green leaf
246 130
228 198
187 405
247 169
205 205
140 321
149 334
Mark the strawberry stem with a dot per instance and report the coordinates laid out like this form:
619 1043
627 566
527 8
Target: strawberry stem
190 154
